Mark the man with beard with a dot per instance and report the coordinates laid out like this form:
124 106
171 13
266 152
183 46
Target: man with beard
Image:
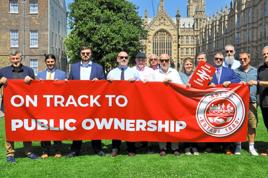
229 60
154 61
86 70
123 72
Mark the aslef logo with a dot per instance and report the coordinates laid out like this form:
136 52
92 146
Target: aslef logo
220 113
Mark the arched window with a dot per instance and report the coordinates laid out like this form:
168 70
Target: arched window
162 43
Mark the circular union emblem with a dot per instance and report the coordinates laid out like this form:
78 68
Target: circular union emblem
220 113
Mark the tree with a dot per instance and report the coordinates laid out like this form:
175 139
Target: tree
108 26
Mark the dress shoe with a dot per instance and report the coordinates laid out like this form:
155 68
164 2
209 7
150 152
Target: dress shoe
176 152
44 156
195 151
101 153
58 155
11 159
229 152
163 153
114 152
32 156
72 154
131 154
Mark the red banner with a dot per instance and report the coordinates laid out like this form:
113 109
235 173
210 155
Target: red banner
202 75
132 111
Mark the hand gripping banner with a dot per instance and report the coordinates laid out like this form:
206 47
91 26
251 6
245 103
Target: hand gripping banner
132 111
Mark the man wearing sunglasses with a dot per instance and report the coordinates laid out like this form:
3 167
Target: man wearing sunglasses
167 74
224 76
86 70
123 72
229 60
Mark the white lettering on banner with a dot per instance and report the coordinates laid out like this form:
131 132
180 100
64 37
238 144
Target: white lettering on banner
61 101
42 124
118 101
19 101
130 125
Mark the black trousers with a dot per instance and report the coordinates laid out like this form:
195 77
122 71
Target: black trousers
130 146
46 146
265 116
77 144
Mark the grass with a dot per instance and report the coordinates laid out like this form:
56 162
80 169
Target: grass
142 165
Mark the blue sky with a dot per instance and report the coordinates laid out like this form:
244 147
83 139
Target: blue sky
171 6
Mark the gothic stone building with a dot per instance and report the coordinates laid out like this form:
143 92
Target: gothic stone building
174 36
244 24
34 27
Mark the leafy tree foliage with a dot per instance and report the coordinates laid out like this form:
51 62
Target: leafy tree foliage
108 26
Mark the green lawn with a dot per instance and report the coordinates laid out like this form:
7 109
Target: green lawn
142 165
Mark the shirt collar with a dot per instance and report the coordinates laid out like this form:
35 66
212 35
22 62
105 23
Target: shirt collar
161 71
53 70
86 64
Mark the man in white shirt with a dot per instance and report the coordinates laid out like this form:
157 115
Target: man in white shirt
167 74
229 60
146 74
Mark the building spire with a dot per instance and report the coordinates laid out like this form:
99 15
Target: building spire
161 5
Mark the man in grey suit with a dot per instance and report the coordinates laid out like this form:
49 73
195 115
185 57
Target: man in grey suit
51 73
86 70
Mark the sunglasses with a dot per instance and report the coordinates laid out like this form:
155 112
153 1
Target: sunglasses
229 51
85 53
164 60
153 59
123 57
218 59
243 59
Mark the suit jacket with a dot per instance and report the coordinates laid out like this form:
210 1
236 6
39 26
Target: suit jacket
59 75
227 74
96 71
7 72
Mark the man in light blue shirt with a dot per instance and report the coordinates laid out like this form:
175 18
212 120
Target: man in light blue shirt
123 72
246 73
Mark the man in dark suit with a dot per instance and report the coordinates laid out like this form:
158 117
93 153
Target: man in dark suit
51 73
225 76
86 70
17 71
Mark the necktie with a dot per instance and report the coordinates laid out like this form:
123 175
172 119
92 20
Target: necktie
218 74
230 66
122 74
49 76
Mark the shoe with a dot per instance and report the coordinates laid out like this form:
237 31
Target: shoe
208 150
32 156
187 151
237 151
72 154
253 152
163 153
114 152
11 159
58 155
229 152
195 151
131 154
101 153
264 154
176 152
44 156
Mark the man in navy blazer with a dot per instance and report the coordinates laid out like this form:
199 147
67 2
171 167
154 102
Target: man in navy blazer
223 75
86 70
51 73
12 72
